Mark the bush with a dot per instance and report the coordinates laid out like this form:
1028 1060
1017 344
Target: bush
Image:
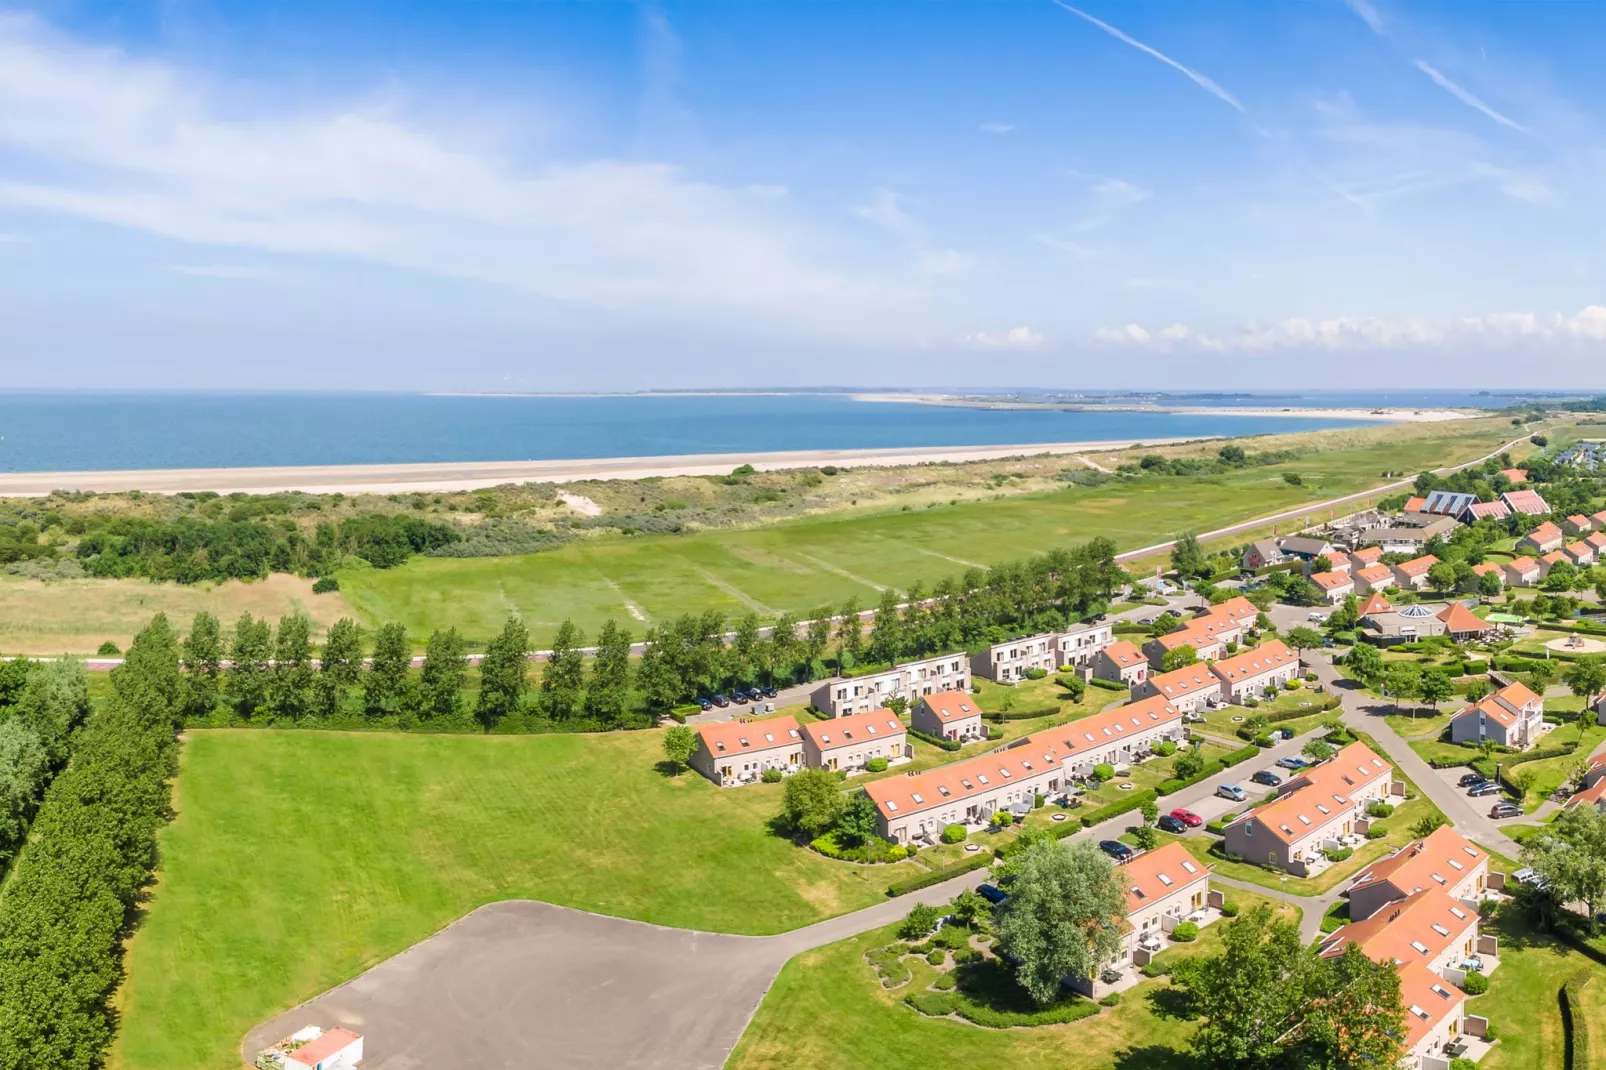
1575 1018
1293 685
325 584
1476 984
945 982
1338 854
1036 674
771 775
108 649
875 765
1378 808
1252 703
1376 830
919 922
953 834
1109 685
888 963
936 741
1229 909
875 849
1038 800
1461 1062
1115 809
1103 771
937 956
1186 932
1111 1000
937 876
965 954
1264 740
1165 748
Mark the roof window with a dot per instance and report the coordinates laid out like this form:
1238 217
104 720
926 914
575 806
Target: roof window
892 806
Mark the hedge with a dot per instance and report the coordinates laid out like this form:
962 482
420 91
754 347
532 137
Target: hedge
937 876
1168 787
1108 685
1022 715
1560 750
935 741
1116 809
1575 1022
67 908
942 1004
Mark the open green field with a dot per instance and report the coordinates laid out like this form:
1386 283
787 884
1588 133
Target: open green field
798 565
299 859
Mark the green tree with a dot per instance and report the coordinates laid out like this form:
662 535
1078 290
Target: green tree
290 682
504 674
203 664
1187 559
1540 675
246 681
1318 750
385 684
1165 624
1477 690
53 703
1571 856
858 821
1489 585
680 743
1188 763
1442 576
1150 811
608 693
659 683
816 639
1063 916
440 681
1354 1016
563 678
783 646
1364 662
24 765
1179 657
887 637
970 909
1402 679
1250 994
849 634
1561 577
1303 638
1427 824
1145 837
339 669
744 649
1232 455
1586 677
1435 688
812 801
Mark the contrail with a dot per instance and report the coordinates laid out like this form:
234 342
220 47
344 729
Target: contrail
1198 79
1463 96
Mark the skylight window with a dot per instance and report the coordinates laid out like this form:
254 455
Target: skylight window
1420 946
942 789
916 797
968 785
769 737
1005 772
1458 866
982 777
1190 867
1459 913
720 746
1164 879
825 739
1304 820
1441 930
743 741
892 806
1441 991
1323 809
1436 877
1470 851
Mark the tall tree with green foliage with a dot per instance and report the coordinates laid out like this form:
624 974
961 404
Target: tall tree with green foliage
887 638
1403 680
1179 657
1435 688
816 638
812 801
440 681
385 685
1187 559
1063 917
563 677
849 634
1586 677
655 676
203 665
1571 857
1353 1016
53 703
783 647
680 743
339 668
1303 638
504 674
247 678
292 674
24 770
744 649
1250 994
608 692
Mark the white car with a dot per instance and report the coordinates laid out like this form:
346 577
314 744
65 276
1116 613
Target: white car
1316 616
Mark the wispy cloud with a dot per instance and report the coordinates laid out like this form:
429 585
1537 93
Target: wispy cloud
235 272
1363 332
1465 97
997 128
1118 191
1209 85
1014 338
885 210
1369 15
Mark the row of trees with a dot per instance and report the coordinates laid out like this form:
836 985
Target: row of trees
40 707
65 911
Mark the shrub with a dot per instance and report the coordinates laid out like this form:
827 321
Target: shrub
108 649
953 833
1103 771
1378 808
937 876
1108 685
1461 1062
1376 830
1038 799
1251 702
945 982
325 584
1338 854
919 922
1476 984
1264 740
1036 674
1111 1000
937 956
966 954
1165 748
1229 909
1002 819
1293 685
888 963
1185 933
875 765
771 775
936 741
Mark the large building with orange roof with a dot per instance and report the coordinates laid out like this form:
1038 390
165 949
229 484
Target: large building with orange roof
1315 810
1443 859
1254 672
1513 717
1164 887
1121 663
731 753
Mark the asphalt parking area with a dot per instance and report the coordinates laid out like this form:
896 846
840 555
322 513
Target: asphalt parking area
527 984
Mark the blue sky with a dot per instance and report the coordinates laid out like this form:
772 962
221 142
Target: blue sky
554 196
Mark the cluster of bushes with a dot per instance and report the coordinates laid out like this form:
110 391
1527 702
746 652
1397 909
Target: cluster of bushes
936 741
1109 685
1338 854
1227 761
998 717
870 850
67 906
502 537
985 994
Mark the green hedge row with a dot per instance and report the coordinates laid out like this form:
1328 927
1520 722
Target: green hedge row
1168 787
1116 809
937 876
1575 1021
942 1004
936 741
1022 715
66 910
1108 685
1560 750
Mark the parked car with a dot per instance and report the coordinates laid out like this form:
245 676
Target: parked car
1146 620
992 893
1117 850
1187 817
1487 788
1233 792
1469 779
1505 809
769 692
1316 616
721 701
1167 823
1266 777
1292 761
1110 977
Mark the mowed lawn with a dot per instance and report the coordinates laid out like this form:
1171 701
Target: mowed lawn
299 859
799 565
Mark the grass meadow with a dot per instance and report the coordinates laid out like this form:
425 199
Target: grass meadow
299 859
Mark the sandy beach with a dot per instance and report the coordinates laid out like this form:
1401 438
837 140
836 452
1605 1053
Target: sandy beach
469 475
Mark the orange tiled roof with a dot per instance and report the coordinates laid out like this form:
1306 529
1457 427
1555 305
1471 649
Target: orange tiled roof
1439 860
1124 654
737 737
952 705
1156 874
1273 654
848 731
1458 618
1325 795
1332 581
1417 566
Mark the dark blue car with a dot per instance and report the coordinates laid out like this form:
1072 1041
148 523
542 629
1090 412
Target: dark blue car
992 893
1117 850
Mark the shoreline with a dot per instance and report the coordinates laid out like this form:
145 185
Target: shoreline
1393 414
472 475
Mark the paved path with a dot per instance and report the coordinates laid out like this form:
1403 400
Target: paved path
1314 907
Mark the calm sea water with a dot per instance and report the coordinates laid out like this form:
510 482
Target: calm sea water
66 432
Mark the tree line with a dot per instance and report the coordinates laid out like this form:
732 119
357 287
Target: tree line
40 708
68 905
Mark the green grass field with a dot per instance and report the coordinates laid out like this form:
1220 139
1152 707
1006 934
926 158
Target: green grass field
299 859
800 564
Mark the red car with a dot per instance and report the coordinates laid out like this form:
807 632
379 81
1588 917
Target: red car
1187 817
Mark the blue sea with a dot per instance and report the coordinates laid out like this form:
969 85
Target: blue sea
41 432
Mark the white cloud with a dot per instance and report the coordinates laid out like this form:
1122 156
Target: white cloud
1014 338
1203 82
997 128
237 272
1348 333
946 262
885 210
1467 98
1118 191
1367 14
142 145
